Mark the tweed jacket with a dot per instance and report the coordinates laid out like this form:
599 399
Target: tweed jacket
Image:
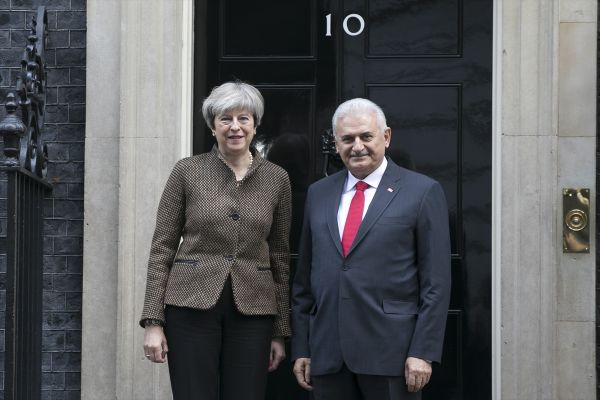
209 227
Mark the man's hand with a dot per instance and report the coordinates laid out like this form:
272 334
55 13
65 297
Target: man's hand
155 344
302 372
417 373
277 353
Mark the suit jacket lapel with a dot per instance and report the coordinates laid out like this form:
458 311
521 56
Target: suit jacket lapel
391 179
333 204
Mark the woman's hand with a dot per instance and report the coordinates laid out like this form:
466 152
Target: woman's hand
155 344
277 353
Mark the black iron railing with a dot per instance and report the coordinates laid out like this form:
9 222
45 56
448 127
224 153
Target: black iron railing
25 165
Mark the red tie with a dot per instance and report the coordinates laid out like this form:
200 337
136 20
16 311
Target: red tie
354 217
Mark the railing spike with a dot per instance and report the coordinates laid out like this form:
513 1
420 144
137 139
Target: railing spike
28 95
12 129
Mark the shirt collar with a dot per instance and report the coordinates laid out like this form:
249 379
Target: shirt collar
373 179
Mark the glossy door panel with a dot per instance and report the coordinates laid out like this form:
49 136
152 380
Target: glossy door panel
255 42
413 28
421 115
284 138
446 378
427 63
269 28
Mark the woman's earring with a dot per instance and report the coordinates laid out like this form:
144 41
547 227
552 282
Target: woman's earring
214 133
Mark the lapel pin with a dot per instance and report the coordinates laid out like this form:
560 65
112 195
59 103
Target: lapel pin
390 190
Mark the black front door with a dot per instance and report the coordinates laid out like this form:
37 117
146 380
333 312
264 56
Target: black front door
427 63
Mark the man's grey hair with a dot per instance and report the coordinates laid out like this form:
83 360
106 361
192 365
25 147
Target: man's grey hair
233 96
359 106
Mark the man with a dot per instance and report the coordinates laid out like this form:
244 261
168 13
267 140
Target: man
372 287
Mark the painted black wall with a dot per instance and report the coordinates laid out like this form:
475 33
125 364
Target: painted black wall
63 225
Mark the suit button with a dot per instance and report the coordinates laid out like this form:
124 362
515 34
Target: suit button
345 267
235 216
229 257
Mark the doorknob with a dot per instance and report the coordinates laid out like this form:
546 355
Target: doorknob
331 159
576 227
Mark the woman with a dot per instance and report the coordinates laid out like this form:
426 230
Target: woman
220 298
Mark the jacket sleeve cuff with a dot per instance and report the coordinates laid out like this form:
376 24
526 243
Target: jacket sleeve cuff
281 328
146 322
157 316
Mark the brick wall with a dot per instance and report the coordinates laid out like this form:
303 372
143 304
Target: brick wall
63 208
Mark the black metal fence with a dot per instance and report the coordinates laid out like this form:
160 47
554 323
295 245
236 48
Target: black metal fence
25 165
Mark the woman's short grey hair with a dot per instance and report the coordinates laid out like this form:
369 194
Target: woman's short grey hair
233 96
359 106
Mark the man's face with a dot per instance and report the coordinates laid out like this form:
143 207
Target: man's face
360 143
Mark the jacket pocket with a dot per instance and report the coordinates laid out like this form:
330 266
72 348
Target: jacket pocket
264 268
400 307
185 262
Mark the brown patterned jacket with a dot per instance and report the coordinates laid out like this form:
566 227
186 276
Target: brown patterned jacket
227 229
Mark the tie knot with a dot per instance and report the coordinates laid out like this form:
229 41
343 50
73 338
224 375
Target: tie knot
361 186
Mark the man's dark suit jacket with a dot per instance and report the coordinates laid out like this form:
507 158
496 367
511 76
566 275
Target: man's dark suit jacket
388 299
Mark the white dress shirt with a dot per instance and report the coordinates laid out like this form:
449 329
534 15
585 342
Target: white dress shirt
373 179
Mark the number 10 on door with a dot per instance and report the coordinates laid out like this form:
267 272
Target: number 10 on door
360 20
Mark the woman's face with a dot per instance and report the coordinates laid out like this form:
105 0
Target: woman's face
234 131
